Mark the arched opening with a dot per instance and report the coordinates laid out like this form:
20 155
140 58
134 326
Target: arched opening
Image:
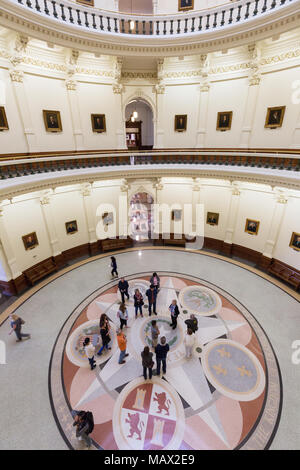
141 216
139 125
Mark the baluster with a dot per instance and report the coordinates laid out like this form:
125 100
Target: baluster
171 27
185 25
193 25
78 17
20 1
157 28
144 27
70 15
94 21
54 9
86 19
129 29
116 25
255 8
101 22
247 11
151 27
239 13
281 3
136 26
264 6
165 27
215 20
222 20
28 3
37 6
178 26
230 18
63 16
207 22
108 24
200 24
273 5
122 26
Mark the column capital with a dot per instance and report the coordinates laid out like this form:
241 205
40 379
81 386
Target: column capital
118 88
159 89
16 76
86 189
71 85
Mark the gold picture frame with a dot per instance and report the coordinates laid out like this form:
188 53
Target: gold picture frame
224 120
89 3
252 226
295 241
71 227
274 117
98 123
185 5
30 241
212 218
52 121
180 122
3 119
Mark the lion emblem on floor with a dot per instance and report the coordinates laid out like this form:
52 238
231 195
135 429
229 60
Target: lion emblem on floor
163 402
133 419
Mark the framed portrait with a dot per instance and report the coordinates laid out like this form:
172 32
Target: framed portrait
52 121
212 218
176 215
274 117
30 241
89 3
184 5
3 119
252 226
71 227
108 218
224 121
180 122
98 122
295 241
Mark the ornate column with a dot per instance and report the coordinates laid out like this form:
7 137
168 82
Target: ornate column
253 89
86 192
202 102
196 224
71 86
47 211
231 221
123 229
120 122
159 89
277 218
12 265
157 225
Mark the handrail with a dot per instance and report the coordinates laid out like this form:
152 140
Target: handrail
186 24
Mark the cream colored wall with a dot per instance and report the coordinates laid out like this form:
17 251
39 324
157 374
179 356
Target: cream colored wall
290 224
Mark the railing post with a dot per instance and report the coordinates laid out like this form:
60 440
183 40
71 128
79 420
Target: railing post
108 24
264 6
255 8
171 27
28 3
94 21
54 9
207 22
144 27
193 25
86 19
178 26
200 24
247 11
136 27
222 20
157 28
101 22
129 29
273 5
165 27
116 25
70 14
63 16
215 20
78 17
122 26
239 14
151 27
230 18
37 6
185 25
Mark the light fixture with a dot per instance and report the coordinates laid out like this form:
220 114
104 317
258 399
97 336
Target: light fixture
135 114
132 119
131 25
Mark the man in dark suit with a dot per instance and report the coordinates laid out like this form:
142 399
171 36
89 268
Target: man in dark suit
151 293
123 288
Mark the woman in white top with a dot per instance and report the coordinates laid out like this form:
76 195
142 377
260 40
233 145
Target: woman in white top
123 316
189 342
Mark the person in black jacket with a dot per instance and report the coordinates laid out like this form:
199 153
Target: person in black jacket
84 422
192 323
147 362
114 266
161 351
123 288
151 293
174 313
138 302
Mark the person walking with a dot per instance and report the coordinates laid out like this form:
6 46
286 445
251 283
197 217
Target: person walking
192 323
104 332
114 266
123 316
161 352
84 422
174 310
122 343
151 293
154 333
155 281
123 288
147 362
189 342
16 324
138 302
89 350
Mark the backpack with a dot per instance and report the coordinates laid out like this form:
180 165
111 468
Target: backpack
90 420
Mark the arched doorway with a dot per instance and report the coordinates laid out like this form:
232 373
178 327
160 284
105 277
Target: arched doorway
141 220
139 125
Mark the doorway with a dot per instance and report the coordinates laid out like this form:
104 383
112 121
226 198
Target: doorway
139 125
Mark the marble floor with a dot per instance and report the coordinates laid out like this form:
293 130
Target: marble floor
252 320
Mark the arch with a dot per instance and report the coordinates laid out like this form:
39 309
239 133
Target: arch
140 96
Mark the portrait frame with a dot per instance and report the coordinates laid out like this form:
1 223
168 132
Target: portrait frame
227 126
89 3
3 119
180 126
212 218
71 227
182 7
30 241
293 239
108 218
56 127
249 224
270 116
176 215
102 128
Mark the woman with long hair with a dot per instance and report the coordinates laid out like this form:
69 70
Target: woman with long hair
104 332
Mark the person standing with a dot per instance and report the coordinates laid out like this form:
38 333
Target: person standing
189 342
154 333
151 293
114 266
138 302
174 313
123 316
89 352
155 281
84 422
192 323
104 332
161 352
123 288
16 325
122 343
147 362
